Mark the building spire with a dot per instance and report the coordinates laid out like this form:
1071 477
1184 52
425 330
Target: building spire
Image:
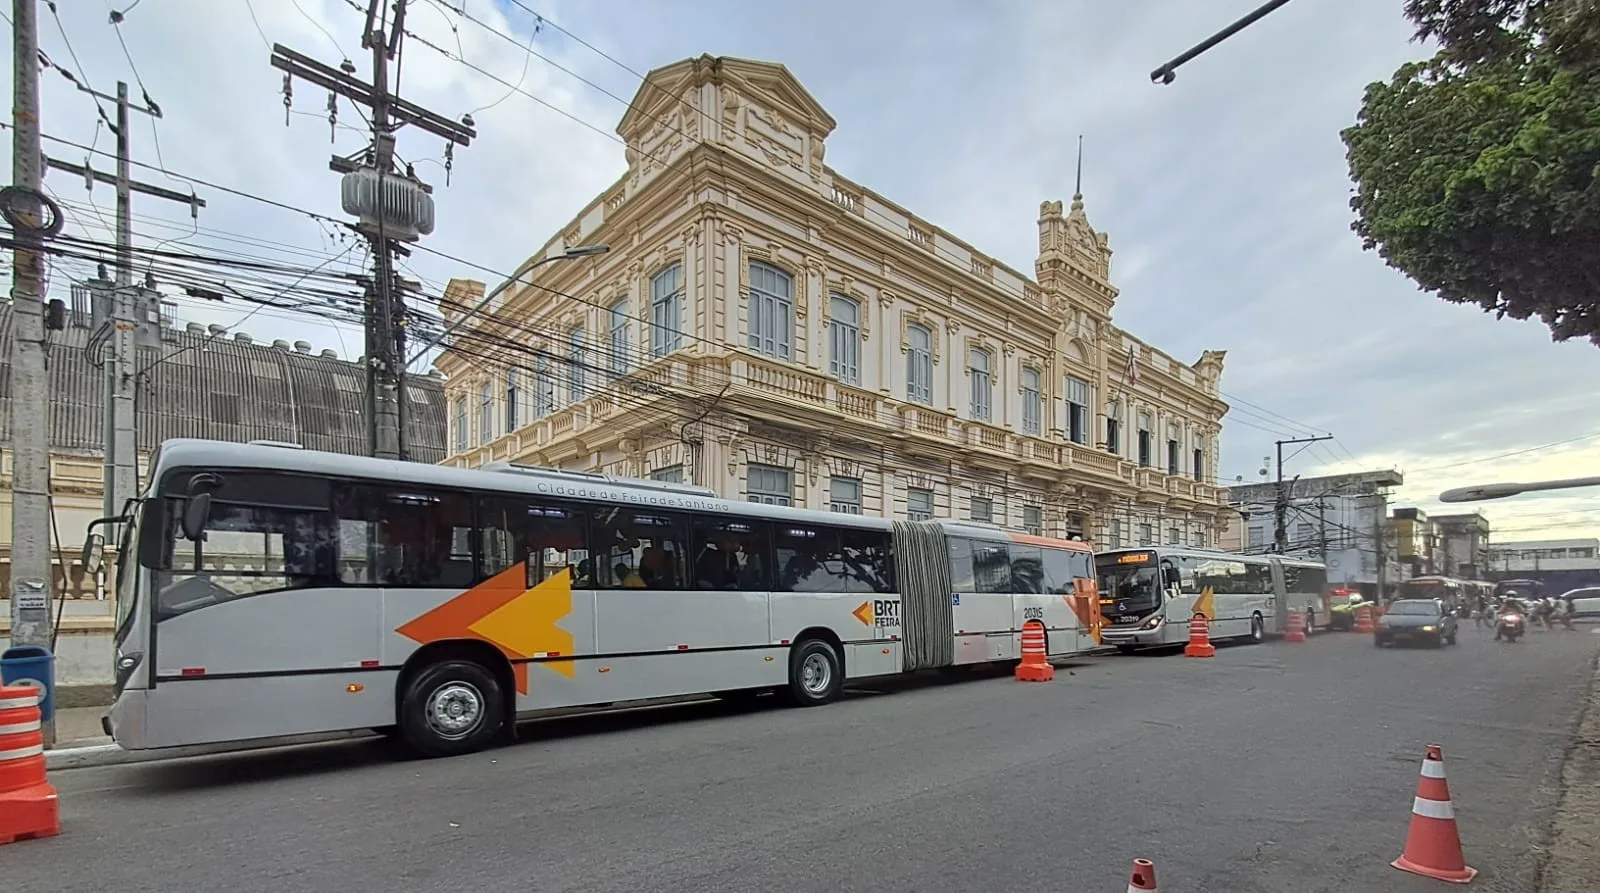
1077 188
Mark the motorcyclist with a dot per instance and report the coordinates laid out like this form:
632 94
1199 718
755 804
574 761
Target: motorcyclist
1511 605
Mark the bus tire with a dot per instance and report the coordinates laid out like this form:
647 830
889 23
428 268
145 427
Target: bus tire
815 673
451 707
1258 629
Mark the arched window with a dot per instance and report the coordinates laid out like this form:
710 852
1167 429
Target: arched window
844 339
771 311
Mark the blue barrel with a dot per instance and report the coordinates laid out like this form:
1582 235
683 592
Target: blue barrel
34 666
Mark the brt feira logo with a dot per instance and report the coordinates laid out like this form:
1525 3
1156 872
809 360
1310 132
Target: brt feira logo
879 613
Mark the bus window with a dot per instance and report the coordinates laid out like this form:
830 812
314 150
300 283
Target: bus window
547 539
1188 583
1062 567
640 549
804 553
412 537
246 550
1027 568
865 561
991 564
1257 579
731 553
962 578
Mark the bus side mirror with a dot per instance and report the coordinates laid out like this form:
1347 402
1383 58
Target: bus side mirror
196 511
94 553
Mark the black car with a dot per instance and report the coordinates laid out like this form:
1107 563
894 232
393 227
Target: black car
1420 620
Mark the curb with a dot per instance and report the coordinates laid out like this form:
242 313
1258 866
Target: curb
94 752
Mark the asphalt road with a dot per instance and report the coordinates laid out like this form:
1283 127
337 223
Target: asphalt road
1274 768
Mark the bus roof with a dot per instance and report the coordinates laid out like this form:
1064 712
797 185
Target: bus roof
507 477
528 480
1210 553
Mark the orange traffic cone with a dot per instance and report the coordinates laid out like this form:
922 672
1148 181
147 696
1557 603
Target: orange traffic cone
1035 667
1199 638
1144 877
28 805
1364 619
1297 628
1433 847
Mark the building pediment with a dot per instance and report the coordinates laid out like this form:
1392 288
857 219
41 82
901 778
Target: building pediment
769 85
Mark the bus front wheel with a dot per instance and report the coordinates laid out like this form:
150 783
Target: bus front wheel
451 707
815 673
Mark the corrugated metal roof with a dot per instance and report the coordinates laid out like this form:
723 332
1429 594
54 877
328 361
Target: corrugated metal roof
222 389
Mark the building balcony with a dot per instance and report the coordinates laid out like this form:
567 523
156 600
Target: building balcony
787 394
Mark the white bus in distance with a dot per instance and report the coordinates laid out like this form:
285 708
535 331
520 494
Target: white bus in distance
266 592
1149 595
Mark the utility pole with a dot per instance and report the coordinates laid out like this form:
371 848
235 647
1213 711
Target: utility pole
1379 547
393 206
1322 527
1281 512
30 378
121 463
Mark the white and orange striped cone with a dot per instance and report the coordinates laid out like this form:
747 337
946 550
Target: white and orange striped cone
1199 638
1296 631
1035 666
1433 845
1143 879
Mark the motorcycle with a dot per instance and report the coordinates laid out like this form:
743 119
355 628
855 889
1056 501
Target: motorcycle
1509 626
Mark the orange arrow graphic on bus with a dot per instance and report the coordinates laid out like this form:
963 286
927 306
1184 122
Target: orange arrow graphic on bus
864 613
502 611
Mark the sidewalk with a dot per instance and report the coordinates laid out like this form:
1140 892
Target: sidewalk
79 727
1574 863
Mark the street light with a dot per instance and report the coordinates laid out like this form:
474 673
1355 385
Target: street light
1168 72
569 254
1483 492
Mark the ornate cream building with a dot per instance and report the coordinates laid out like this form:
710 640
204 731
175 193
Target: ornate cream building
765 327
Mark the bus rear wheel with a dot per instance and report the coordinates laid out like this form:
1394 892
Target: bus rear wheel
451 707
815 673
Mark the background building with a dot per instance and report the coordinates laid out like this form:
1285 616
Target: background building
769 329
1463 545
1416 541
1336 519
1560 564
198 383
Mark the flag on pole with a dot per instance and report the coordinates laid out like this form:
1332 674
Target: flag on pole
1206 604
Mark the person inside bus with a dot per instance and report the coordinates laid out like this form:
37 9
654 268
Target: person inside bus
718 565
630 577
655 568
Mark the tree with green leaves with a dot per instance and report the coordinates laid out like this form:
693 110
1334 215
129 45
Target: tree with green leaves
1477 172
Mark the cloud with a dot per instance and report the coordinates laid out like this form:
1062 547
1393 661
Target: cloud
1225 194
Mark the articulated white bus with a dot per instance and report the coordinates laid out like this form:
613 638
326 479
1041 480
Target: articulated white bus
1149 595
268 591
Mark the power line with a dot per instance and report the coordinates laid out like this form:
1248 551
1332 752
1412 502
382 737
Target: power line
1522 452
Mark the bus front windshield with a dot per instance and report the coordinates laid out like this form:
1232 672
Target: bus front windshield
128 568
1128 591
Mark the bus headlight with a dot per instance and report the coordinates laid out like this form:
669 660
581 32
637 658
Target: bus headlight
1152 623
126 665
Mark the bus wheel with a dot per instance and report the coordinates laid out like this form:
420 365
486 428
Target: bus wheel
1258 629
452 707
814 673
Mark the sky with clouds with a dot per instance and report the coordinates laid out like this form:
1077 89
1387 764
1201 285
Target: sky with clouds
1225 194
